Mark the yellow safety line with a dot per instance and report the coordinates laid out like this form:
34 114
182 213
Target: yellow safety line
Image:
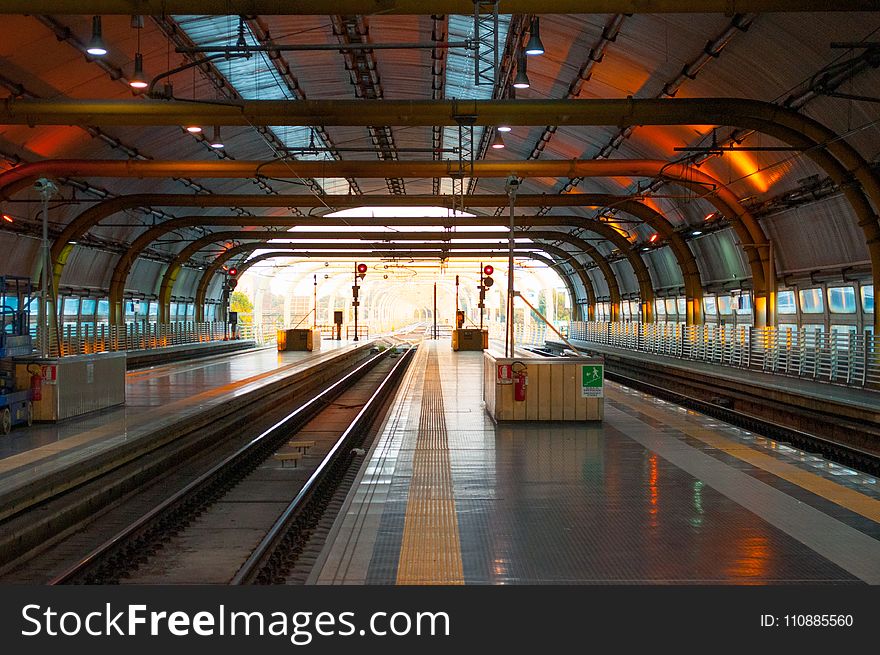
430 552
828 489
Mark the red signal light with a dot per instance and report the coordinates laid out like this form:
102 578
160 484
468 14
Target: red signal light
8 218
233 271
361 268
488 269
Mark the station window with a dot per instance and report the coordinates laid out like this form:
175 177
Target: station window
868 298
88 307
634 308
682 306
71 306
671 309
816 328
785 303
725 305
153 309
624 309
811 301
843 329
190 310
660 307
103 309
710 306
173 311
743 303
785 327
842 300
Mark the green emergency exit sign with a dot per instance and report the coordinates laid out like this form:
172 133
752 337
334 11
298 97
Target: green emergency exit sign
592 376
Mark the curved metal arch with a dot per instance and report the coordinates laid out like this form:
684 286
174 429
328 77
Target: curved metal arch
563 275
127 259
749 232
91 217
564 257
174 268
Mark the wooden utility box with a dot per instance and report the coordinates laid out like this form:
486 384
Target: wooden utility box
304 339
470 339
556 389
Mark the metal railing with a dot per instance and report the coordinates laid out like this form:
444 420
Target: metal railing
88 338
534 334
847 358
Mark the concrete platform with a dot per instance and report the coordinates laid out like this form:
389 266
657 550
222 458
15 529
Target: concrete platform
158 399
655 494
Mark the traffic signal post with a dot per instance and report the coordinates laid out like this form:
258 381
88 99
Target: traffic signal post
360 272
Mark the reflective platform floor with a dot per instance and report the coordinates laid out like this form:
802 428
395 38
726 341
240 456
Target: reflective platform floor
655 494
156 398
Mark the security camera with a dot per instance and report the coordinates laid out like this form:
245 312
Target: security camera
45 186
512 184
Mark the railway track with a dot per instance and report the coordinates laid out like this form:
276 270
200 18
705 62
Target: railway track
205 532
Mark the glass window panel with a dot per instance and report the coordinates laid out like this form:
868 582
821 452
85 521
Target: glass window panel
103 308
710 306
682 306
785 303
814 327
811 301
624 309
634 308
842 329
660 306
868 298
173 311
744 303
670 306
725 306
190 310
784 327
153 309
71 306
88 306
842 300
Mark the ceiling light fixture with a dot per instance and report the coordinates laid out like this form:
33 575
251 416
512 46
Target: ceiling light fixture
193 129
534 46
216 141
503 128
522 79
138 80
498 142
696 233
96 46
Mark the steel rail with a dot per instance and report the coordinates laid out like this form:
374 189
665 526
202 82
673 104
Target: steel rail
90 566
264 557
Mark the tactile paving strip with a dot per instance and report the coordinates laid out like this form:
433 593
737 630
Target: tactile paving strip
430 552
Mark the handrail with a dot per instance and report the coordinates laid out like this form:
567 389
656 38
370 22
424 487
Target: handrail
845 358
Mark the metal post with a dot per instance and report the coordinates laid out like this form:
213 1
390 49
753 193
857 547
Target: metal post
511 192
482 292
315 317
435 310
47 189
355 303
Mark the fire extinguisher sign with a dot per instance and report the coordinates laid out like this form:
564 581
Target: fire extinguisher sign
49 372
505 374
592 376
